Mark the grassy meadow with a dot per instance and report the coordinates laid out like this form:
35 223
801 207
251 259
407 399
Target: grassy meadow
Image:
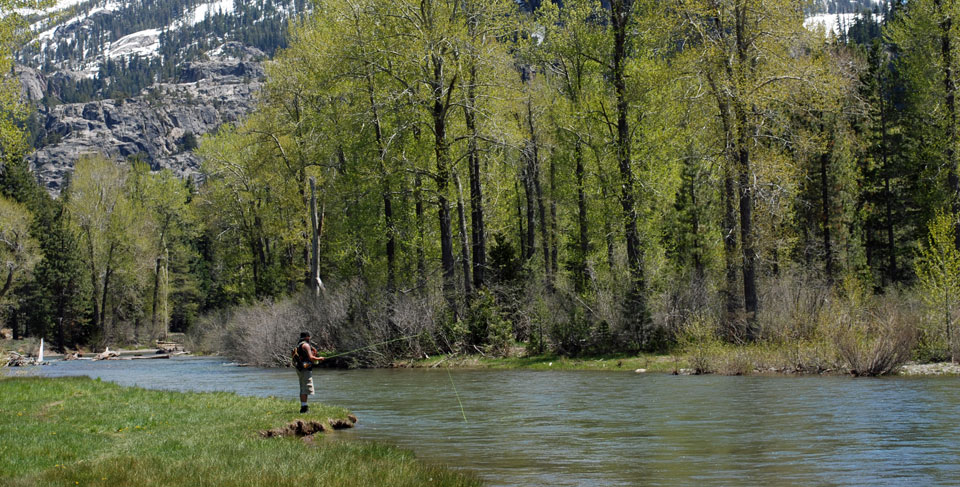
79 431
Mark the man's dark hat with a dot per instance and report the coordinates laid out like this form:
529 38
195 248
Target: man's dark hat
305 334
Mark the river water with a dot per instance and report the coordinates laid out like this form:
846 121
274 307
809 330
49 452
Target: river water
587 428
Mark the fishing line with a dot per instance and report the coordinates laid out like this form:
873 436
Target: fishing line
457 394
372 346
449 375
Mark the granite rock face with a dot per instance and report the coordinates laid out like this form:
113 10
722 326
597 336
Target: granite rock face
159 126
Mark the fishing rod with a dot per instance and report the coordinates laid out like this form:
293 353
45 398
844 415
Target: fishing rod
386 342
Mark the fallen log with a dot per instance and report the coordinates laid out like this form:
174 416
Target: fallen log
106 355
147 357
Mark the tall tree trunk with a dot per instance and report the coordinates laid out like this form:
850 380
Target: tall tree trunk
639 314
607 225
731 296
108 272
421 255
745 65
950 88
477 227
464 243
534 169
442 152
315 283
522 234
826 208
156 293
553 216
729 220
94 283
528 175
891 243
747 244
580 278
391 243
698 267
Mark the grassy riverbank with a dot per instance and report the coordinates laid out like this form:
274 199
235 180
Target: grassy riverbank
647 362
78 431
807 357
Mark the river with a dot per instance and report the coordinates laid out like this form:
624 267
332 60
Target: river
589 428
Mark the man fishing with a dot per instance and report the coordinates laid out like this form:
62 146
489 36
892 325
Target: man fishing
304 358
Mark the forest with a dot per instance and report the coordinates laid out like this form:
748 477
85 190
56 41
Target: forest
588 178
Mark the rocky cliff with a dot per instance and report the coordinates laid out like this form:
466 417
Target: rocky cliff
160 126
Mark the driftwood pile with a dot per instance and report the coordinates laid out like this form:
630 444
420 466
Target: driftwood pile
169 347
14 359
107 354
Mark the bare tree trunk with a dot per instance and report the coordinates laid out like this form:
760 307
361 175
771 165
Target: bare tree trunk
825 199
421 257
637 309
464 243
534 169
528 176
522 234
477 226
315 282
391 244
106 287
553 216
442 151
746 229
580 279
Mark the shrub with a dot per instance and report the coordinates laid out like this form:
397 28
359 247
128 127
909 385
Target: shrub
876 339
366 329
700 343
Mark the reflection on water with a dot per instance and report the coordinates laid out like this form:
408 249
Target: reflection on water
602 428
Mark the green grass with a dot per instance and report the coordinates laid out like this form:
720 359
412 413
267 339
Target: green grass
78 431
624 362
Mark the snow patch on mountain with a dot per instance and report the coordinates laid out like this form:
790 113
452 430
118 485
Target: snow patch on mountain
208 9
834 23
144 44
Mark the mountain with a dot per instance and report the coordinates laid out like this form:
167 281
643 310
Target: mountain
143 78
160 126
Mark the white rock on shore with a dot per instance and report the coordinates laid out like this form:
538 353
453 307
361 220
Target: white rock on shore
943 368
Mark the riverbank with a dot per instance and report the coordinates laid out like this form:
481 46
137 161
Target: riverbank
728 361
643 363
78 431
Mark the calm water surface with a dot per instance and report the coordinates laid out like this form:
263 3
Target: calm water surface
527 428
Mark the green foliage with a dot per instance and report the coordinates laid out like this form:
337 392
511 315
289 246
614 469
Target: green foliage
486 325
938 276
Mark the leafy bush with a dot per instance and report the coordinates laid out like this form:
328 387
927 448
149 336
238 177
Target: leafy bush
700 343
876 339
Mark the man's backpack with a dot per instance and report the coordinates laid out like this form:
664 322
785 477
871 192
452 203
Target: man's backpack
300 363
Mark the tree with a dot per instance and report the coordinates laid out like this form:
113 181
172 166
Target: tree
113 239
19 251
171 221
938 273
755 57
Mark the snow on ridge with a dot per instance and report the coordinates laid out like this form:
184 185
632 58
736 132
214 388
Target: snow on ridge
830 22
144 43
208 9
